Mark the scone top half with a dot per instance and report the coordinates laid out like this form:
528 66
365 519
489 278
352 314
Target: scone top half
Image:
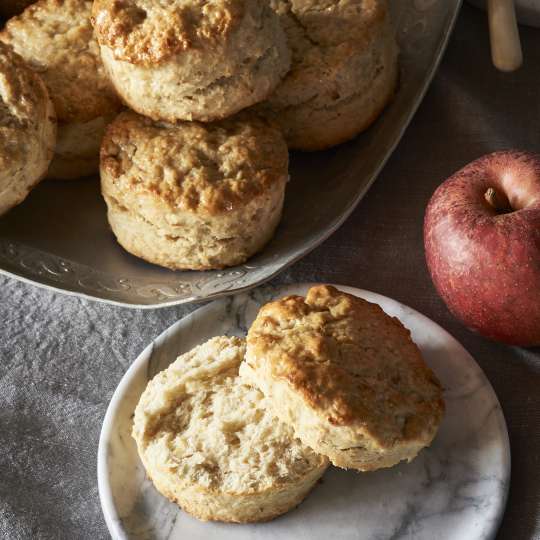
193 195
346 376
210 444
189 60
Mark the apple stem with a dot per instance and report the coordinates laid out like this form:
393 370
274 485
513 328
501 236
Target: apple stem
497 200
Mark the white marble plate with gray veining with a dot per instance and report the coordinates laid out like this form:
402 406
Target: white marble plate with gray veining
454 490
59 237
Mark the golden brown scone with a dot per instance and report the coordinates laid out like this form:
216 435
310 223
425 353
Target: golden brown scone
192 195
344 70
183 60
346 376
27 129
210 444
55 37
8 8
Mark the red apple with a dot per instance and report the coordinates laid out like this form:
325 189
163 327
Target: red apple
482 244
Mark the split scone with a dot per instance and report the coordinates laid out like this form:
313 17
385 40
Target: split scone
191 195
187 60
8 8
55 38
209 442
346 376
27 129
344 70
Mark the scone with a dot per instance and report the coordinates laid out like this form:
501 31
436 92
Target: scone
8 8
55 38
346 376
210 444
344 70
187 60
27 129
192 195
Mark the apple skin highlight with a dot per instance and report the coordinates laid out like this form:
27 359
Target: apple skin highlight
483 249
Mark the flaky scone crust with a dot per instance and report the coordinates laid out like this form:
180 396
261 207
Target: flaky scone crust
203 168
55 37
141 32
349 378
191 195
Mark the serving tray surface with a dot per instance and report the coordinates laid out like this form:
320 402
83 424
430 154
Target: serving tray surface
59 237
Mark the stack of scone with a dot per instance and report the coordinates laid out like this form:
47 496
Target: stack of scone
194 175
241 430
189 184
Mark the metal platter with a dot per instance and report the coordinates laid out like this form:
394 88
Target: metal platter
59 237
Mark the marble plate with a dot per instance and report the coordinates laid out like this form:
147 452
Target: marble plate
456 489
59 238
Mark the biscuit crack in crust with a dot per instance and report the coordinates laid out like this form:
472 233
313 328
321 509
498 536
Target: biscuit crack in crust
253 64
142 32
346 376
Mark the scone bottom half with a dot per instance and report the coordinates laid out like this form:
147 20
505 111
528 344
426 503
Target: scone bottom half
192 195
346 376
210 444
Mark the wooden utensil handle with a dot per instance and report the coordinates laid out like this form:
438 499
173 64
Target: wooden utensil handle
504 34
